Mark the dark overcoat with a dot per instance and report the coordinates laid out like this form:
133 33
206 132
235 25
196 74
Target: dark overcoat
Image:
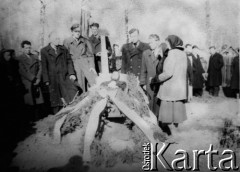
57 67
197 69
235 73
11 87
148 70
155 83
214 70
132 58
30 68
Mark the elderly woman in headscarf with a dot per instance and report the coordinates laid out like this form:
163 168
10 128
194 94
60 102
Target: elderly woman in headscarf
173 91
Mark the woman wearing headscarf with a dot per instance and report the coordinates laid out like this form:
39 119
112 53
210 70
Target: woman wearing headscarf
173 91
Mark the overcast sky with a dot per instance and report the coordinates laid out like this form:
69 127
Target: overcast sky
20 19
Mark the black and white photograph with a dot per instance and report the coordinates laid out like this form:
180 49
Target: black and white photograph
119 85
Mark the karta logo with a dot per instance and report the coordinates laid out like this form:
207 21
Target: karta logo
151 158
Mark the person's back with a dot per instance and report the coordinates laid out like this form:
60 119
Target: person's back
173 91
176 66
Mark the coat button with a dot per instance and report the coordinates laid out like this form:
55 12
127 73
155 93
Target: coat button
131 67
139 66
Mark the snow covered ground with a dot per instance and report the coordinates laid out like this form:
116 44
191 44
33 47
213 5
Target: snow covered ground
206 119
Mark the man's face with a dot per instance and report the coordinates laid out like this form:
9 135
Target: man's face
55 39
76 33
118 64
134 37
94 30
116 48
7 56
27 48
195 51
212 51
189 49
153 43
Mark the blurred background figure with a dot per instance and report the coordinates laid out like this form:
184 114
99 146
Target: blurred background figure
235 74
228 54
118 64
190 57
198 74
226 69
115 55
214 78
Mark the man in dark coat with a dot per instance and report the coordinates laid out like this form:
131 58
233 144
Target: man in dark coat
30 69
95 39
150 61
155 83
214 79
235 75
198 71
132 54
58 73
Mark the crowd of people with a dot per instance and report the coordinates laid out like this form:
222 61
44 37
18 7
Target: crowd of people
170 72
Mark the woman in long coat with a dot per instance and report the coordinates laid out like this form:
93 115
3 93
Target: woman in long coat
173 91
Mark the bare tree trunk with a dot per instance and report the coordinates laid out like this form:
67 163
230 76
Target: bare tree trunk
208 26
126 25
42 21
